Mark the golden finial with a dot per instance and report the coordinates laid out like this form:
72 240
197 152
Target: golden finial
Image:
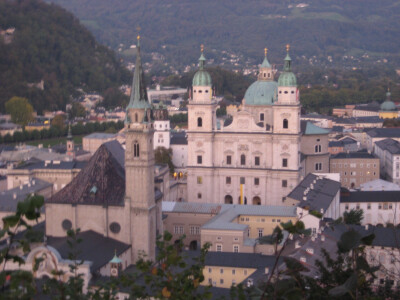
138 37
265 51
202 48
287 47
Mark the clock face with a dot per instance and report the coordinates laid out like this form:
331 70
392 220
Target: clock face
114 272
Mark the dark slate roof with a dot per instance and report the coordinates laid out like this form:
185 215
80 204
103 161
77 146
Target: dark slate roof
342 143
390 145
105 171
384 236
350 155
337 129
384 132
94 247
55 164
7 201
347 196
239 260
319 192
178 138
373 106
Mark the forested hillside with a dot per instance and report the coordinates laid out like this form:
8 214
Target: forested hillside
350 32
49 45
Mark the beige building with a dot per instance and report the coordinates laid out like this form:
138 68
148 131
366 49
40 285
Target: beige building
314 149
228 227
58 173
258 149
355 168
93 141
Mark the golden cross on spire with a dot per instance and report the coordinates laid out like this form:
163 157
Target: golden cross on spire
265 51
201 48
287 47
138 37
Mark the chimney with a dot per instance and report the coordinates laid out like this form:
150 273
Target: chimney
20 186
313 238
311 186
15 196
266 270
305 198
322 238
33 182
366 227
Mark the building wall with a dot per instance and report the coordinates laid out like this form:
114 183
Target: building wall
375 212
225 277
266 224
226 240
187 224
92 144
162 135
179 156
354 171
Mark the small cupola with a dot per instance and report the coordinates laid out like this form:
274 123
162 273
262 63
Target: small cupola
265 72
115 265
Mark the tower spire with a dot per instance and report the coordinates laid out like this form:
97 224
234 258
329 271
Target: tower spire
288 60
139 98
202 59
265 63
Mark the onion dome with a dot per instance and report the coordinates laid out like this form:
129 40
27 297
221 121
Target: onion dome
287 78
202 77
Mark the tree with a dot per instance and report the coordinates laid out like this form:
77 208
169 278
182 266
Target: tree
77 111
20 109
353 216
59 122
164 156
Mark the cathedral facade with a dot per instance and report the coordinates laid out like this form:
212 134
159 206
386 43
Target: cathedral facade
254 157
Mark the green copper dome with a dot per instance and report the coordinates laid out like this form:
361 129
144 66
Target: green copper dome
388 105
261 93
287 78
202 77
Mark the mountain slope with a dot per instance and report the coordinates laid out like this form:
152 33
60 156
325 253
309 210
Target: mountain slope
364 29
50 45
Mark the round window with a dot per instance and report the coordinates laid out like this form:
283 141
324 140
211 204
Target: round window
66 224
115 227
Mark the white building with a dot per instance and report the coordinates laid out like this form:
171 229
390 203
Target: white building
257 150
388 151
380 207
179 146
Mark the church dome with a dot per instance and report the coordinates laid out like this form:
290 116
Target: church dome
388 105
261 93
202 77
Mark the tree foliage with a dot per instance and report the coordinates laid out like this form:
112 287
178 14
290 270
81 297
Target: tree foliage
20 109
164 156
77 111
50 44
354 216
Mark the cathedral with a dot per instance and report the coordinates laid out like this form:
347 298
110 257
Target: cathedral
254 157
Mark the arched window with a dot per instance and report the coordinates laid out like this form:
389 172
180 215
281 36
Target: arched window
242 159
228 199
136 149
199 122
256 200
136 117
285 123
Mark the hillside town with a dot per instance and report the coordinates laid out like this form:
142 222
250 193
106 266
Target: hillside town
227 181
